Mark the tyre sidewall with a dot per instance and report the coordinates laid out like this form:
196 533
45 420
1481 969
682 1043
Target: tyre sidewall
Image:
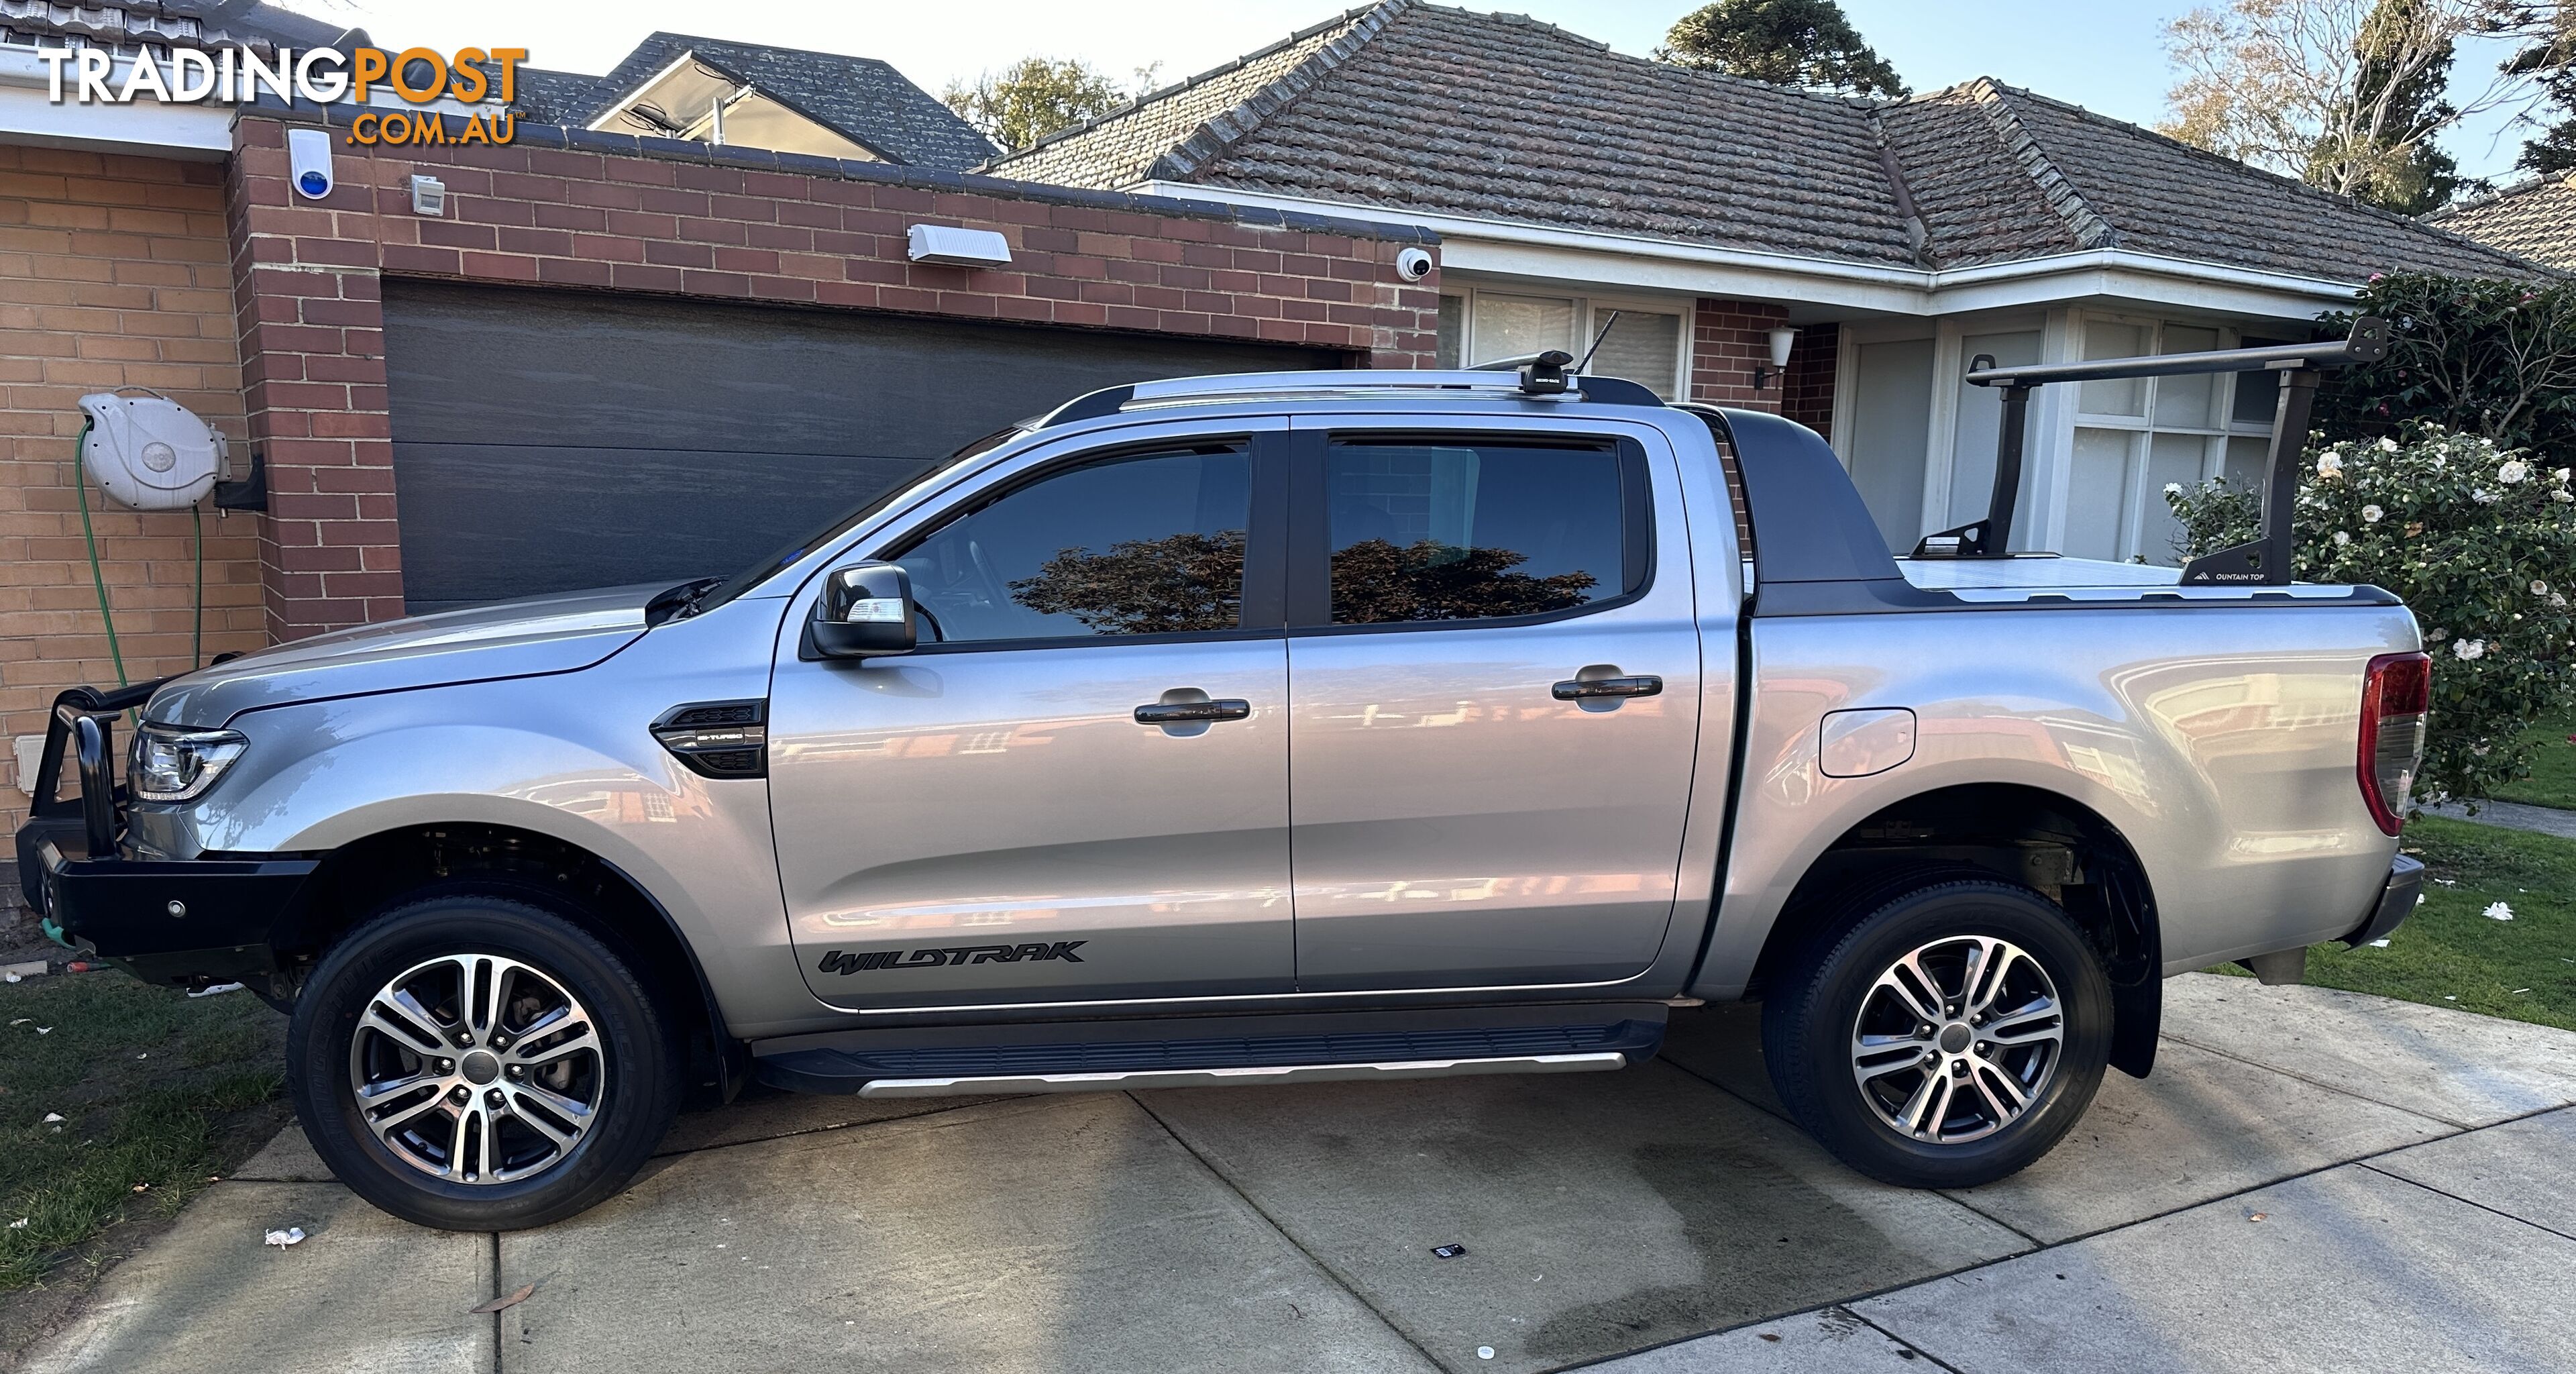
643 1064
1828 1101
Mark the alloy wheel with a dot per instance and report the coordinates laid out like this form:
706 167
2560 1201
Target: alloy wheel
1957 1039
478 1069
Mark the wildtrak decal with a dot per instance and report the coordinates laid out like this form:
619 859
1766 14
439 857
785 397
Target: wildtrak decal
838 961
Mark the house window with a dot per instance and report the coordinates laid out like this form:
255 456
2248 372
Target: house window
2135 435
1645 343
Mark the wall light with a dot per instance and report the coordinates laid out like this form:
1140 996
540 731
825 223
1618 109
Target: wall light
1781 340
956 247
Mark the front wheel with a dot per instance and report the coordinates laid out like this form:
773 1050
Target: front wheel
1950 1038
474 1062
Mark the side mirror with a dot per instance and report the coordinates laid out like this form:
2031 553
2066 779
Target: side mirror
866 610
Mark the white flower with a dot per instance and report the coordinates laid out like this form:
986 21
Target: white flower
2439 634
2498 911
2469 648
2482 496
2370 514
2513 471
2562 497
2558 601
2561 475
2387 445
2173 488
2329 463
2539 588
2342 538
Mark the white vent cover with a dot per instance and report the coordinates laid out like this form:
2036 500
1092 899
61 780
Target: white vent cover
958 247
149 452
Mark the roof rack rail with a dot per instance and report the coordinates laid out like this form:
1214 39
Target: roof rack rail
2267 560
1348 384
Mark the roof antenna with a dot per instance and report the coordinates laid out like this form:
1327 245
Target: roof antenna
1596 342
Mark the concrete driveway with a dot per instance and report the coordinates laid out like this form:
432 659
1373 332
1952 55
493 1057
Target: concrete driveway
2312 1179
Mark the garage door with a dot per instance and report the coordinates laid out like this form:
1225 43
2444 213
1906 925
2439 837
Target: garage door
547 441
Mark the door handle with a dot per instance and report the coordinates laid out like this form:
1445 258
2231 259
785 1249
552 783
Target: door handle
1593 689
1192 712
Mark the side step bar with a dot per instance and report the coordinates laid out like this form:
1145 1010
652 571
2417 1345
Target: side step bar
1185 1051
1240 1077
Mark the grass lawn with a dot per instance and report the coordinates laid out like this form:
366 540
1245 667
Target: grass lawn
156 1093
2553 769
2449 954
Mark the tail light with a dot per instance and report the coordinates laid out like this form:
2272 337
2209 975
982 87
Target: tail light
2396 696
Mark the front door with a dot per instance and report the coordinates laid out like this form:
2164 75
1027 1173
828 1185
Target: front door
1495 677
992 819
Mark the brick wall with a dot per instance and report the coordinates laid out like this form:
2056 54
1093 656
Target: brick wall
604 211
113 273
1727 339
1807 392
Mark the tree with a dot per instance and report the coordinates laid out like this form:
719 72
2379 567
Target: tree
1178 583
2496 359
1785 42
2348 95
1375 582
1034 97
2548 58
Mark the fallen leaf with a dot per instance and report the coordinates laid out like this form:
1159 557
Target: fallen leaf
2517 992
497 1304
19 1225
22 1020
2380 943
216 989
2498 911
52 1117
281 1239
44 1030
142 1187
2258 1216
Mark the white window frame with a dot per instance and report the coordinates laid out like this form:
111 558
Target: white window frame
2142 429
1590 310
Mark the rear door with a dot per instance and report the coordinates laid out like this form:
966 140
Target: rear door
1494 691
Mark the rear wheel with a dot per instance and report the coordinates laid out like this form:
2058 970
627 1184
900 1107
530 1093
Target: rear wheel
475 1062
1948 1039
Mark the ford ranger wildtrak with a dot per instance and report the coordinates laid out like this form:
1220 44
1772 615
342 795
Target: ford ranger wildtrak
1265 729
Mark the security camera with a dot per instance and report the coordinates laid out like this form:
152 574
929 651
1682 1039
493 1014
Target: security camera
1413 264
308 155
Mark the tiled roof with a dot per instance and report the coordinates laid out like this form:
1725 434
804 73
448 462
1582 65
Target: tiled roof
545 96
168 24
2160 196
858 97
1411 106
1498 116
1121 147
2536 218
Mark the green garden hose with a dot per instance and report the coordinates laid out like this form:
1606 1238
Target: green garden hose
97 577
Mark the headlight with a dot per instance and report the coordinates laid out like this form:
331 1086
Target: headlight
171 765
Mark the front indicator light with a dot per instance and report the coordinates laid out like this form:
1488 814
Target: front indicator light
174 765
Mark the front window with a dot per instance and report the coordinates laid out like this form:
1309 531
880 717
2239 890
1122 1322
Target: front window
1148 543
1638 342
2136 435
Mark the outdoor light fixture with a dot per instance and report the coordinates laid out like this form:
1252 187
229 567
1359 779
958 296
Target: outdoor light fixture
955 247
428 196
1781 339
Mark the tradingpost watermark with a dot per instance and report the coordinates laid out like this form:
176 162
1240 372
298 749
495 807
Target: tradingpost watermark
322 76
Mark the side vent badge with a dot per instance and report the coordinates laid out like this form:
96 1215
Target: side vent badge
718 739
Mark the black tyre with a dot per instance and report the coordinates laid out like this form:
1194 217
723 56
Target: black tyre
477 1063
1952 1036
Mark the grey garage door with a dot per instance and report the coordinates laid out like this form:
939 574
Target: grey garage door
546 441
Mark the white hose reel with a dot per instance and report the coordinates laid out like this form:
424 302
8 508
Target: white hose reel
149 452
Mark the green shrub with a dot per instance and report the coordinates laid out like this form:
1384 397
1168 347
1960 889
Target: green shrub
2492 358
2479 540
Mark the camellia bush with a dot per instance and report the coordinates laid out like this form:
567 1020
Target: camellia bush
2479 540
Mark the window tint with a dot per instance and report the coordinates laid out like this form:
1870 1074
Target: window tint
1151 544
1426 532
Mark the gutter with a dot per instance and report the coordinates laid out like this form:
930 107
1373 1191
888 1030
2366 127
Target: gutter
1915 290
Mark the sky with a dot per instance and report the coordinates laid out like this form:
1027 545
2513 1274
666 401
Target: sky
2106 55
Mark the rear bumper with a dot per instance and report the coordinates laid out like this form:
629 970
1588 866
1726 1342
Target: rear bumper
2396 902
185 921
